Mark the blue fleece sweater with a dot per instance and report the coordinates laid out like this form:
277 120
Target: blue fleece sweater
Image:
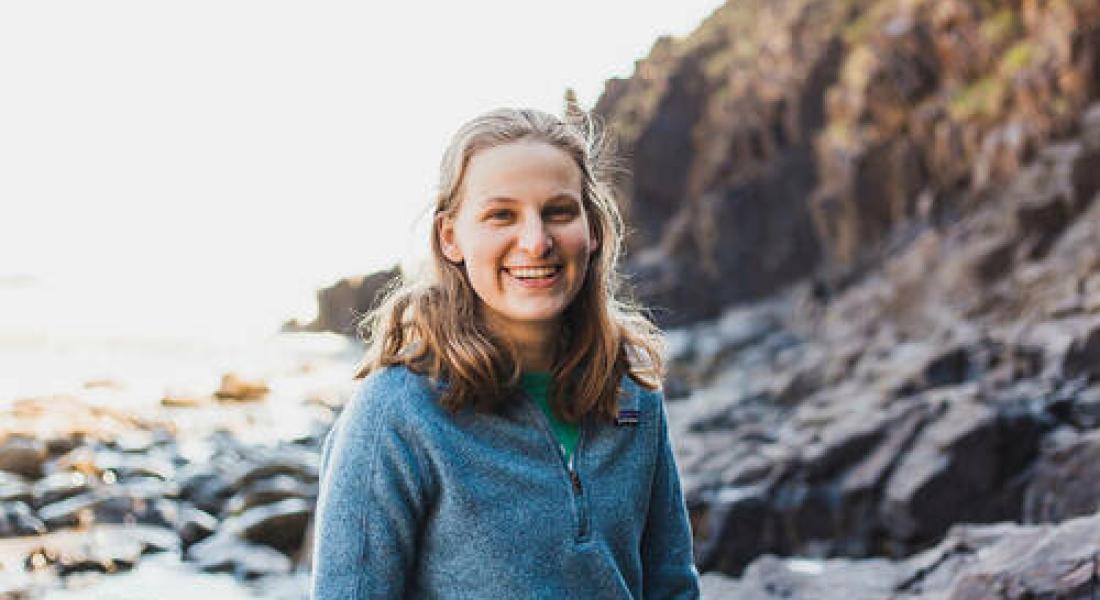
418 503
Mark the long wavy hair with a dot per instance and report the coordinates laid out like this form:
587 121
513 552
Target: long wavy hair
432 324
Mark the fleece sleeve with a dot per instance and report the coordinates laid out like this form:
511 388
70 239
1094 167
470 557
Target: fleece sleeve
371 503
668 568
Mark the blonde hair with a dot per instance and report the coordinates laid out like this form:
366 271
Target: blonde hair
433 326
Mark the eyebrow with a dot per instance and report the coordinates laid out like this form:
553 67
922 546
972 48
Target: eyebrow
509 200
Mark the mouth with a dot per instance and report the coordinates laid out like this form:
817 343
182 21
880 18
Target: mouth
534 276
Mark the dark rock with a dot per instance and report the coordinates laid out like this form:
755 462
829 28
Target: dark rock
57 446
271 489
950 367
122 555
280 525
972 563
288 460
853 472
101 549
15 488
340 306
1083 357
1086 166
850 433
1042 220
950 325
59 486
1066 481
1086 408
734 527
119 504
127 465
755 161
23 455
801 579
16 518
207 488
951 465
1010 561
195 525
225 552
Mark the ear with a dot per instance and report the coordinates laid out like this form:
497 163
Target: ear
447 242
593 240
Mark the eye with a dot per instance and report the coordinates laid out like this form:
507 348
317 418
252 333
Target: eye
561 212
499 215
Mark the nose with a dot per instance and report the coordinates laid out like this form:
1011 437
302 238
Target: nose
534 238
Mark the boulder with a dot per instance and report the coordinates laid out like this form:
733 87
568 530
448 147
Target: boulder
15 488
971 563
281 524
118 504
268 490
17 518
950 467
1066 480
226 552
59 486
23 455
1083 356
341 305
236 388
194 525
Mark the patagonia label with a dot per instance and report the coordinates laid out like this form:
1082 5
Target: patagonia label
627 417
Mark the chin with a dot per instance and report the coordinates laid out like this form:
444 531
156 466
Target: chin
536 314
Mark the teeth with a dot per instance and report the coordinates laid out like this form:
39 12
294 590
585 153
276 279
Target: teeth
532 272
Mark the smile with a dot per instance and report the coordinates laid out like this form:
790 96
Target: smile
532 272
534 277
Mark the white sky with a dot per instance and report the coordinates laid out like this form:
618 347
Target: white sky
230 156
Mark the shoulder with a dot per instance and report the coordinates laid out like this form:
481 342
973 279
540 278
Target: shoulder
395 381
648 403
392 393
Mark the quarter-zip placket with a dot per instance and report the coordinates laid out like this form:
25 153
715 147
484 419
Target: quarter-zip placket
577 488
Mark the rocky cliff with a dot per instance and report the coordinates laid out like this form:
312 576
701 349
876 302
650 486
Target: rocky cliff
958 383
792 138
340 306
873 227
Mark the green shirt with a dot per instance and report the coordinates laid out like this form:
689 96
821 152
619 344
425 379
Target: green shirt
537 386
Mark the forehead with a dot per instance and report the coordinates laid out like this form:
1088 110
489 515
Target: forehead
523 170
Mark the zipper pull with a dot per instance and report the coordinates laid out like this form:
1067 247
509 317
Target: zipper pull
576 482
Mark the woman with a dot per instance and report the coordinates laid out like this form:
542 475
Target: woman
509 440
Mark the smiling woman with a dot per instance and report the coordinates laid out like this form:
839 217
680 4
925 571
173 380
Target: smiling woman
523 237
509 439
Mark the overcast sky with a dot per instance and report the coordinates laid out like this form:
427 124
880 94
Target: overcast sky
236 154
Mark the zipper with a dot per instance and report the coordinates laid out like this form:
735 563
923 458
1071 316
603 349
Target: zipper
577 488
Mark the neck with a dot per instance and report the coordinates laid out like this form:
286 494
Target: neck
535 343
536 357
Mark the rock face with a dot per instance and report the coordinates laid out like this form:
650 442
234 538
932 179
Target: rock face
874 223
784 139
956 384
340 306
1066 482
972 563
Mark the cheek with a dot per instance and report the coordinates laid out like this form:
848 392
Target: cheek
482 262
579 242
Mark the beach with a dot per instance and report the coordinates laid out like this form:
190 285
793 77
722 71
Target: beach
106 430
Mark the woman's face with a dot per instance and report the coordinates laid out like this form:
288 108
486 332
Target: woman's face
521 234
